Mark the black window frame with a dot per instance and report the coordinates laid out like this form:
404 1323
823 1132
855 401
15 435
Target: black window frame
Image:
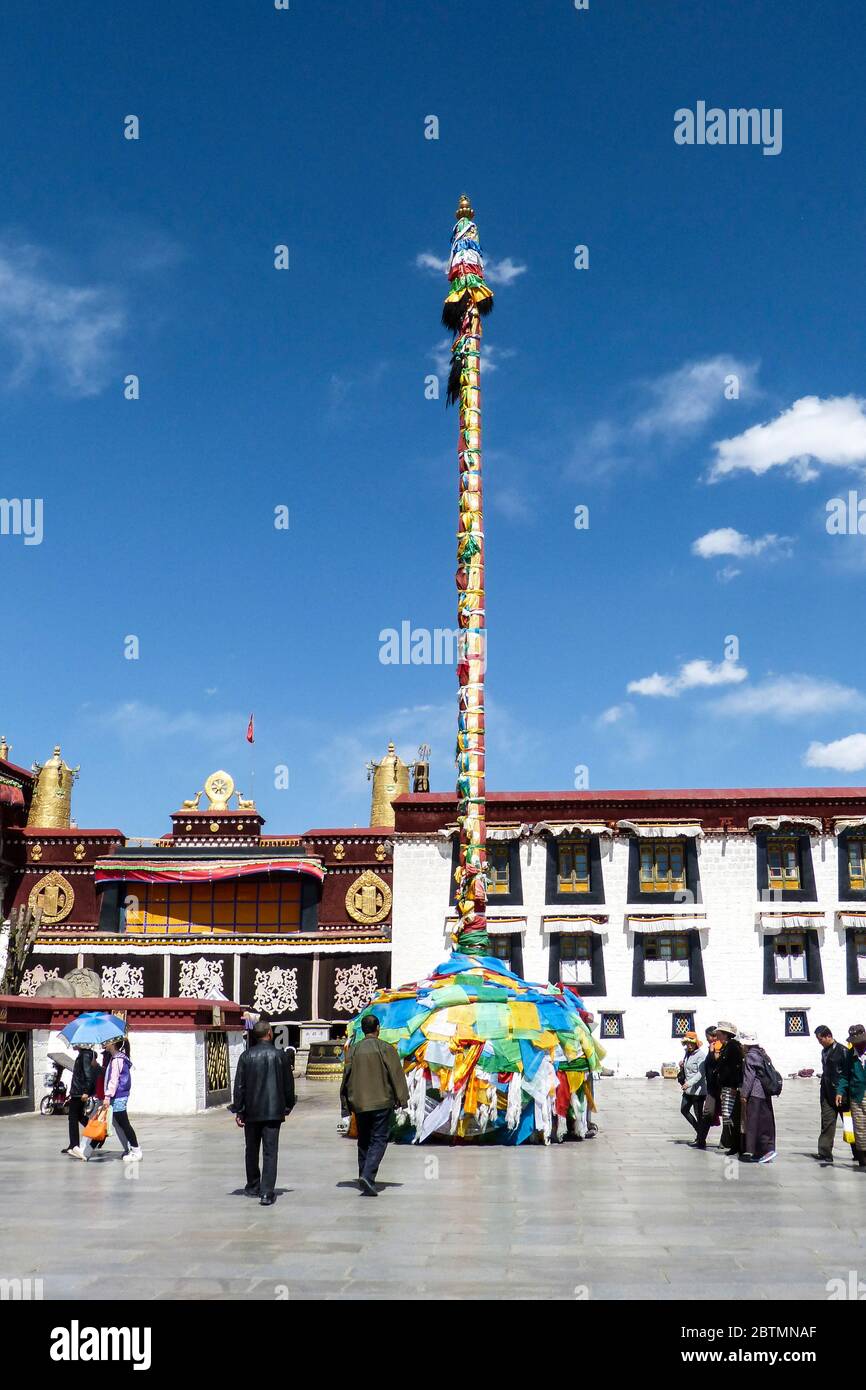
514 896
515 954
552 895
806 893
692 891
814 981
611 1037
854 984
689 1016
695 987
598 985
846 893
801 1033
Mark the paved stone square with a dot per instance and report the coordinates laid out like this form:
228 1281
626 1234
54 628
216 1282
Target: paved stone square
634 1213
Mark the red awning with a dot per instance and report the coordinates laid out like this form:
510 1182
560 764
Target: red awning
118 870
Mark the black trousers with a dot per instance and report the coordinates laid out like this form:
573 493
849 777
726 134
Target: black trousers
262 1135
76 1118
373 1129
120 1120
691 1109
829 1120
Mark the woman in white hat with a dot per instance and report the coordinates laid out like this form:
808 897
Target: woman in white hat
760 1083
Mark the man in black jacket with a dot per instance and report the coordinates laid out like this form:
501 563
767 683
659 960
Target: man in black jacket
832 1062
264 1094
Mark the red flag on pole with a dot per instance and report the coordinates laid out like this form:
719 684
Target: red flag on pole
251 733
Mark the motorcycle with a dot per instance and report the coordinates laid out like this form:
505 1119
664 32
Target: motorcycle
57 1100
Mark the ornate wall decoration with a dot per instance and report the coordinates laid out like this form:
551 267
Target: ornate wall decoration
368 900
339 850
276 990
201 979
55 896
79 851
381 852
36 852
35 977
354 987
124 981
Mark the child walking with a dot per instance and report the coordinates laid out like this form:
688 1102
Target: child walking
118 1083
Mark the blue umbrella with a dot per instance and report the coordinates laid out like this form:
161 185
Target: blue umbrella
91 1028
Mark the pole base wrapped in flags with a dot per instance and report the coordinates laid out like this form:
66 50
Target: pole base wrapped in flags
488 1057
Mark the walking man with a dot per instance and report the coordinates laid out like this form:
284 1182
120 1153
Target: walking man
694 1083
264 1094
833 1056
852 1088
374 1084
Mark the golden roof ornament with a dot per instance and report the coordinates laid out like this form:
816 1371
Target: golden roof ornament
51 806
464 208
5 748
218 788
390 778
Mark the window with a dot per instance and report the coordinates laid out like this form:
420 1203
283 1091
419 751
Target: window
856 865
783 865
222 908
860 955
507 946
573 866
682 1024
789 952
612 1026
666 959
498 868
662 866
575 959
796 1023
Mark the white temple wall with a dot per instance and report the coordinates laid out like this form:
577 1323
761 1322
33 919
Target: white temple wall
731 944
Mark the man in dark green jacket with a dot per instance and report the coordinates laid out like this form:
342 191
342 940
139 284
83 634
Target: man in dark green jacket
852 1088
374 1083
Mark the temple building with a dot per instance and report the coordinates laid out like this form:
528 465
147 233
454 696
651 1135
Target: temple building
664 910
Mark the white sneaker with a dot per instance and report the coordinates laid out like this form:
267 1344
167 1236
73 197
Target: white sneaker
768 1158
76 1153
133 1156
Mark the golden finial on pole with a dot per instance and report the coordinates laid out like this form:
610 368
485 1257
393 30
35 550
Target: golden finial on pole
464 208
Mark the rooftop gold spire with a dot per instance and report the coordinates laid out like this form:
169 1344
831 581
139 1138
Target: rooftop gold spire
51 807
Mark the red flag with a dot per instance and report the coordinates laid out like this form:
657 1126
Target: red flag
251 733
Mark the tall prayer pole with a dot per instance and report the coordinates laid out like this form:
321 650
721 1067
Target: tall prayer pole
468 299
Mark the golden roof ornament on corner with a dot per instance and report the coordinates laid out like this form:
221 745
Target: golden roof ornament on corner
5 748
390 778
51 806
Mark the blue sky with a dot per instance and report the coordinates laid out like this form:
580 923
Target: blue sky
306 388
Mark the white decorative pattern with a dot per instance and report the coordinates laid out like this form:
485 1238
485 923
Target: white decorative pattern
36 977
354 987
276 990
201 979
124 981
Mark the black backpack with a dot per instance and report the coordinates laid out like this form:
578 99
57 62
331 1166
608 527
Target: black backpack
770 1079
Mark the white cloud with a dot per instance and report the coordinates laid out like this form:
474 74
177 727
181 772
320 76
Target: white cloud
63 331
813 431
845 754
692 675
789 697
727 541
687 398
496 272
613 715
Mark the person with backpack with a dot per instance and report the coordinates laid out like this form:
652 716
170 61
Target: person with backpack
374 1085
761 1082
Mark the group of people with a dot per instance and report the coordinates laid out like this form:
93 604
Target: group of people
373 1087
99 1091
731 1081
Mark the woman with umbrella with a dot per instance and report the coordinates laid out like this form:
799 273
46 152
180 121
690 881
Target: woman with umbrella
83 1033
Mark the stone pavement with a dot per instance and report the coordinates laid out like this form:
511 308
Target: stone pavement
632 1214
